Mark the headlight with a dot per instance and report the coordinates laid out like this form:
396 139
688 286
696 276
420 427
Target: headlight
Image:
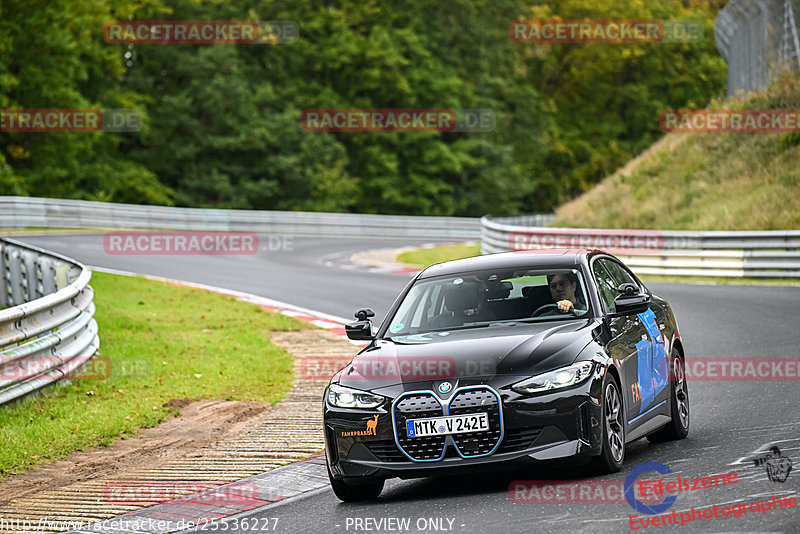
352 398
560 378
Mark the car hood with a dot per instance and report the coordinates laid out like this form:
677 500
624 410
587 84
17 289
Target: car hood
484 353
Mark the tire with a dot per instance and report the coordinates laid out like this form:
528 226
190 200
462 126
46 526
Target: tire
360 489
678 427
612 453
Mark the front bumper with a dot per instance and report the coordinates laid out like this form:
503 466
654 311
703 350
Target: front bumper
562 424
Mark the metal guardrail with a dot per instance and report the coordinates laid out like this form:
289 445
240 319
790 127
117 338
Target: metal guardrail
28 212
47 329
757 39
774 254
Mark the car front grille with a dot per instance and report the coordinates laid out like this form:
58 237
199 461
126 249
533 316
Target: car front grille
467 401
477 401
418 406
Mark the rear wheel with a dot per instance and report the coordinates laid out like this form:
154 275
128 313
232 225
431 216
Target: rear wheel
612 454
678 427
356 488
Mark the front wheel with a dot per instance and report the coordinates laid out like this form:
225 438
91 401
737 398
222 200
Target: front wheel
678 427
356 489
612 453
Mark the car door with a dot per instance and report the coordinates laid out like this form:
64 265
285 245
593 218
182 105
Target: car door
625 334
649 379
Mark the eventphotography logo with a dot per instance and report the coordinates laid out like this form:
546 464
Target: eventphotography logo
669 486
637 503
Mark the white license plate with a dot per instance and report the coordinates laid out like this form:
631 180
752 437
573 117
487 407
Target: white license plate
442 426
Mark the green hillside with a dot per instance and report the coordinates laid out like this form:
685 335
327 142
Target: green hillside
704 181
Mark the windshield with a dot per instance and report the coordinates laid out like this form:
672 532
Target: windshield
483 298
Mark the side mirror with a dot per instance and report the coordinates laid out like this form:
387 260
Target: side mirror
364 313
630 301
361 329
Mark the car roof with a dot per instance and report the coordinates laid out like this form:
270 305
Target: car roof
530 259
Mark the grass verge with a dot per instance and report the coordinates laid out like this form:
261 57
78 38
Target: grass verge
158 342
422 257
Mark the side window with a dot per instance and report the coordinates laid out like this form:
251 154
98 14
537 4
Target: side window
436 304
425 306
618 273
606 285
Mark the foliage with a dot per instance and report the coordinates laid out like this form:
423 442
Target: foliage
222 124
52 56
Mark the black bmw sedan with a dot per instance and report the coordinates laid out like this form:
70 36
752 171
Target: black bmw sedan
515 357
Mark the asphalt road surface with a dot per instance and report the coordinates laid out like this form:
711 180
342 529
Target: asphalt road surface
730 420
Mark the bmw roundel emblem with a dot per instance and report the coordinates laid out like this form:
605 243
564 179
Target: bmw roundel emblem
445 387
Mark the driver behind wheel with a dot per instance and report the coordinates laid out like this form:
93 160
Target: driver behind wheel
562 288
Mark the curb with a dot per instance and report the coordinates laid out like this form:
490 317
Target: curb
345 261
198 510
375 260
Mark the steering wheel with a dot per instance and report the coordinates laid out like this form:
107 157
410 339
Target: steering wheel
542 309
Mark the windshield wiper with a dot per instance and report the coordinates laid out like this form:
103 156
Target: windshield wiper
462 327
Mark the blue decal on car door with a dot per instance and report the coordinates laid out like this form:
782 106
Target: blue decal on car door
644 358
652 356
